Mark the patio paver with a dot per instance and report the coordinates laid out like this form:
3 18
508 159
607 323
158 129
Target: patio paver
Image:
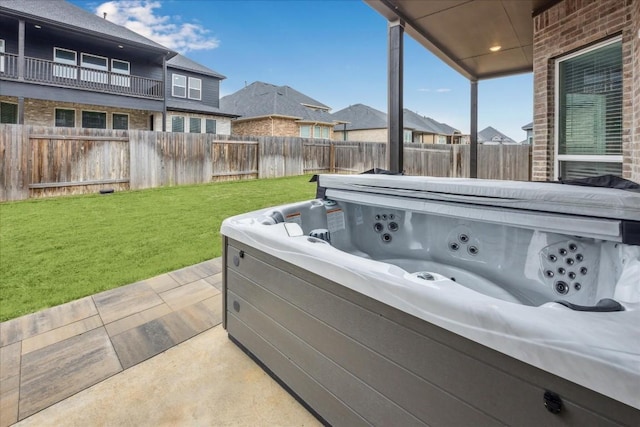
48 356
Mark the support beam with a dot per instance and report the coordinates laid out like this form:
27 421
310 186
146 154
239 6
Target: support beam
21 50
473 152
395 103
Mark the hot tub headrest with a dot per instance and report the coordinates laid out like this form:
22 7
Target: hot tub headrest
605 305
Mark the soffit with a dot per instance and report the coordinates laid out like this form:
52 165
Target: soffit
460 32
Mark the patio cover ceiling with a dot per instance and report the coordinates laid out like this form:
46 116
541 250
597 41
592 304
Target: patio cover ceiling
461 32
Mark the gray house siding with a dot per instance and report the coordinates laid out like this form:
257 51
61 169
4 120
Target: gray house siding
210 88
28 90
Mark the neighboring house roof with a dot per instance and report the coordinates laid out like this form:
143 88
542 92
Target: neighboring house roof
70 17
448 130
261 99
183 63
359 117
416 122
528 126
490 134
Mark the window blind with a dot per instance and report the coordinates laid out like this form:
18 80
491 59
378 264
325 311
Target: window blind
590 119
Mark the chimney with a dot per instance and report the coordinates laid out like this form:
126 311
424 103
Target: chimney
104 15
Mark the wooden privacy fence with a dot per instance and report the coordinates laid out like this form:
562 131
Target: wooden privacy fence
39 161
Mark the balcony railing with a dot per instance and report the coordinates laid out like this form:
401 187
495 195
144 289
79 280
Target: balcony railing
63 75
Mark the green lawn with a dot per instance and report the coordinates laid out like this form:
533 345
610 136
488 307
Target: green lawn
56 250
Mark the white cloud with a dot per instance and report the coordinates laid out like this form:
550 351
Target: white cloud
142 17
443 90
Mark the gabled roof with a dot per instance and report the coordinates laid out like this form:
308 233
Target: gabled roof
490 134
62 14
528 126
261 99
360 116
444 128
418 123
181 62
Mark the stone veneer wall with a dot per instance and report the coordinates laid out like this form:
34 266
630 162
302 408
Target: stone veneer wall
42 113
570 26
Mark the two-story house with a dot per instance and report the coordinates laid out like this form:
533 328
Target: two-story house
63 66
271 110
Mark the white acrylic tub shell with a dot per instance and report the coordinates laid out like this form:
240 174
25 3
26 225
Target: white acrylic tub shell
600 351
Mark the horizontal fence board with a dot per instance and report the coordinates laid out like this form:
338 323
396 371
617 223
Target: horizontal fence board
77 183
38 161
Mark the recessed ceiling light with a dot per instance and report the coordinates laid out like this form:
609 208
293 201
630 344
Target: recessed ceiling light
37 26
495 48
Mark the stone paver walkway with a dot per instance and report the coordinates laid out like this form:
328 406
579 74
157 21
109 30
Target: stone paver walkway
46 357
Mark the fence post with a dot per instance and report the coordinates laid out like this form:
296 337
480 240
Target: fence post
332 157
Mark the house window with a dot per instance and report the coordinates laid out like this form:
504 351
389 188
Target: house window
94 68
589 112
94 120
120 73
195 125
210 126
65 118
68 58
179 86
177 124
305 131
317 132
195 88
8 113
120 121
1 56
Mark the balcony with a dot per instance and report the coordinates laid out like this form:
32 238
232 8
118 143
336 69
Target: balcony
62 75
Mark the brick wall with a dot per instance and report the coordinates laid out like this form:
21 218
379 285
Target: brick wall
369 135
276 126
42 113
567 27
633 163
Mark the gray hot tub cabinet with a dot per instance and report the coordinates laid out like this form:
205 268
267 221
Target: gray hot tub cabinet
354 360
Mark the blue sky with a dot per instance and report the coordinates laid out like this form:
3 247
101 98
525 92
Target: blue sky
334 51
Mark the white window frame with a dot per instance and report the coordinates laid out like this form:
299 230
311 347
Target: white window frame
101 73
69 68
215 126
75 116
2 43
123 78
106 118
174 85
11 103
556 119
195 118
121 114
184 123
199 89
310 131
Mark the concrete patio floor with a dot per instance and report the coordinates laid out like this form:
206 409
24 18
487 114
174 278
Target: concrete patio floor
91 361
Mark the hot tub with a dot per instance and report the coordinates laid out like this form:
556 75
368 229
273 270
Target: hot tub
407 300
